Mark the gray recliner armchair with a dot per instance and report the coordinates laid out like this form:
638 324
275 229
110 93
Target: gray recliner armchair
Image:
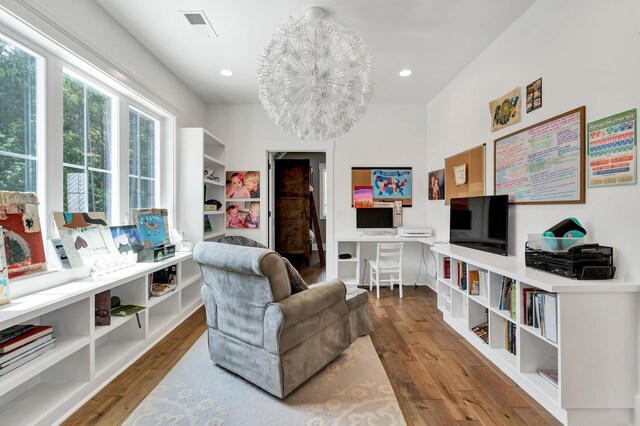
259 330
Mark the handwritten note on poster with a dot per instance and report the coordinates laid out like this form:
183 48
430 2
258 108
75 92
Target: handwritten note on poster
612 150
543 163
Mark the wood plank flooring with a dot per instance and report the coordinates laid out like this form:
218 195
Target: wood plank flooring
438 378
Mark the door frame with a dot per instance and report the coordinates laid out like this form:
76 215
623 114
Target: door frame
271 147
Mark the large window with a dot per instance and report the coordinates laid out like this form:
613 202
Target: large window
18 162
87 151
143 142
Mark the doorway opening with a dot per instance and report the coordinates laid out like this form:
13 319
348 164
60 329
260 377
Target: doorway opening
300 209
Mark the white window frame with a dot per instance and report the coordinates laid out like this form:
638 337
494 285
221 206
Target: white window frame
322 182
157 153
115 141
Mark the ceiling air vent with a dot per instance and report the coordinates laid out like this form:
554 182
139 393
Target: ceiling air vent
199 23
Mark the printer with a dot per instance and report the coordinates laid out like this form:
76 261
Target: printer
414 231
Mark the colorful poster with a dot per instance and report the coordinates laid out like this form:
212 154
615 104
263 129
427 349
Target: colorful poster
243 185
436 185
153 226
505 110
612 150
391 183
363 197
5 296
23 244
243 214
85 236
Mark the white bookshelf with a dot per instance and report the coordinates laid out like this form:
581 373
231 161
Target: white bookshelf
596 350
201 149
87 356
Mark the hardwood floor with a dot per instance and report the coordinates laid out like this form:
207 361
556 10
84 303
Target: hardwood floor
438 378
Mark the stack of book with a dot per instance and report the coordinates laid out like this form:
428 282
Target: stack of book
163 281
540 312
507 301
482 330
22 343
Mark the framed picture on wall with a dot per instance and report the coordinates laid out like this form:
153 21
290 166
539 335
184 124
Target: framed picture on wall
387 183
435 186
243 184
242 214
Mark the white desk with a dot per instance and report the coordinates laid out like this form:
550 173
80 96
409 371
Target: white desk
363 248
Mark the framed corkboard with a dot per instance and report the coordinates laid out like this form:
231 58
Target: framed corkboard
543 163
471 163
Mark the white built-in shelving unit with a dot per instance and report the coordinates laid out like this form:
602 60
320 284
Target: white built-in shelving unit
200 149
596 350
87 356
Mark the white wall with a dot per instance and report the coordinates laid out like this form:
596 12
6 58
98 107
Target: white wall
587 53
387 135
86 29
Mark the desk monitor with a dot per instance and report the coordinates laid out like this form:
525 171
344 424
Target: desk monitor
375 218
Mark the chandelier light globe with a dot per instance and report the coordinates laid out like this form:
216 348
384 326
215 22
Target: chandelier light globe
313 77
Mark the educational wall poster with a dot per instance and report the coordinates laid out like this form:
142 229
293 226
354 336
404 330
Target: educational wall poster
436 185
243 214
5 296
153 226
534 95
24 248
543 163
85 236
243 185
363 197
612 150
505 110
388 184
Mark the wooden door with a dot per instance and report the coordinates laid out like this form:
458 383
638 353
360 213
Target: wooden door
292 210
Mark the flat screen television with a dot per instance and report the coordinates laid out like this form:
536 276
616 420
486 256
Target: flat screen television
480 223
374 218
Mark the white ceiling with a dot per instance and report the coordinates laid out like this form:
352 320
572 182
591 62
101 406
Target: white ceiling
434 38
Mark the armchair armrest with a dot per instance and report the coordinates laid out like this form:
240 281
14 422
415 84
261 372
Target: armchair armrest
302 308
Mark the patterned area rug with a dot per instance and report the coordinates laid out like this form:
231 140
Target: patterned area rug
352 390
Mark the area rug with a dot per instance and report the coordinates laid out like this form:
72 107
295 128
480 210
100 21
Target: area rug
352 390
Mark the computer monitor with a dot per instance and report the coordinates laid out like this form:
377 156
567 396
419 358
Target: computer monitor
375 218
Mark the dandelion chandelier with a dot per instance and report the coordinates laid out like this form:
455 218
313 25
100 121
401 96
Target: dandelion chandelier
313 77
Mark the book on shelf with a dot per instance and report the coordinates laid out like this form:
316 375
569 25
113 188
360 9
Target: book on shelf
550 329
550 376
126 310
15 331
474 283
462 276
21 340
507 301
482 330
510 337
31 356
23 349
159 289
446 266
5 362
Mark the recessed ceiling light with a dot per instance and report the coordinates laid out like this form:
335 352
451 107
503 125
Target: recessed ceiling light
405 73
226 73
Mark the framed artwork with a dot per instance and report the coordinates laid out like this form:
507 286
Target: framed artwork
363 197
505 111
534 95
387 184
85 236
127 239
153 226
243 185
435 185
543 163
242 214
22 238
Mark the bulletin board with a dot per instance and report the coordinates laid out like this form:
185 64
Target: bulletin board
543 163
473 186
